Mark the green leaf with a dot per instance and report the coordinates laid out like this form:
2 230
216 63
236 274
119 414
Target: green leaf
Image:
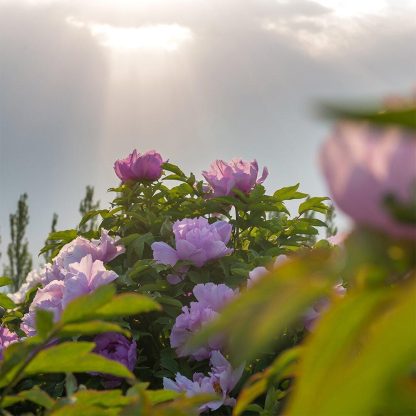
90 328
161 396
173 168
173 178
74 357
126 304
35 395
314 204
91 214
5 281
110 398
289 192
260 382
6 302
84 307
44 322
66 235
80 409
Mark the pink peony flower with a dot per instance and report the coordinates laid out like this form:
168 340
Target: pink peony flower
196 241
364 165
48 298
105 249
136 166
84 277
116 347
211 298
6 338
224 177
220 381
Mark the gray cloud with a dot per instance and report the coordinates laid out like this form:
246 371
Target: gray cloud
69 107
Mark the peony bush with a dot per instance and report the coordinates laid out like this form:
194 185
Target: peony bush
207 295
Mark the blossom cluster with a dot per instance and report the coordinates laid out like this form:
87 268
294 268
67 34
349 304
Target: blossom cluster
221 380
78 269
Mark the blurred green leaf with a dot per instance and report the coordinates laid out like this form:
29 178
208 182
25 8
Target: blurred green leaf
402 117
360 348
273 303
35 395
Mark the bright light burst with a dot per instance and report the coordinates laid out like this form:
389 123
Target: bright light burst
167 37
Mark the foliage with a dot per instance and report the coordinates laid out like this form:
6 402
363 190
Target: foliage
86 205
142 213
47 254
20 260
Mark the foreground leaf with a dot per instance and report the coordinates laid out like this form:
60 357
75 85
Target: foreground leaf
254 320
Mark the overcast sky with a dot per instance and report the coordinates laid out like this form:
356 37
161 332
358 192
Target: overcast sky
82 83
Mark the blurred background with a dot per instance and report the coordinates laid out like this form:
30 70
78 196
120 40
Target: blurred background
82 83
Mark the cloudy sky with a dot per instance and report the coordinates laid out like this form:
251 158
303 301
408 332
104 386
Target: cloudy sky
82 83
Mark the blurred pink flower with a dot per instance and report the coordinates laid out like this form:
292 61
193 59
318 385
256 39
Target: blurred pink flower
224 177
136 166
363 165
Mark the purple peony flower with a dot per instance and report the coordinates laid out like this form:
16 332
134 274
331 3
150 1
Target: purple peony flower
118 348
84 277
48 298
6 338
363 166
196 240
224 177
220 381
51 272
211 298
105 249
136 166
